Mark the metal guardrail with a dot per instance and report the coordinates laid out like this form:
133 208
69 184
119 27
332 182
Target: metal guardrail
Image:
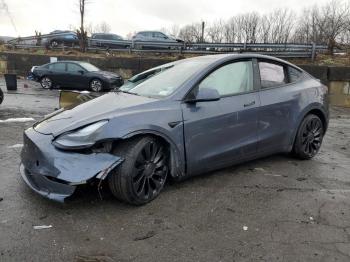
278 50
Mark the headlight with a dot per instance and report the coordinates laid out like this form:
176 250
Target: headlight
82 138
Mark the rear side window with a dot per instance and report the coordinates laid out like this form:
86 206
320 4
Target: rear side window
294 74
73 67
271 75
58 67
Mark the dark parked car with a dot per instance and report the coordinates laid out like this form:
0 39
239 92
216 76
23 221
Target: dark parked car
76 75
199 115
157 40
61 38
108 41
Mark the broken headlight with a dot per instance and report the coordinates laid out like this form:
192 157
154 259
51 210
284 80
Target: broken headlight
81 138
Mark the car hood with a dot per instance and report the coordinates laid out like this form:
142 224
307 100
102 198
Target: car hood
103 107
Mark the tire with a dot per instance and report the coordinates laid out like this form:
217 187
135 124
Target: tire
54 44
96 85
1 96
142 175
309 137
46 82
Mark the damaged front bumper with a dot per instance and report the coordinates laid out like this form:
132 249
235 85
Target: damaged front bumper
54 173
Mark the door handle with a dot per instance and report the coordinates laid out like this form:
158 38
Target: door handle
249 104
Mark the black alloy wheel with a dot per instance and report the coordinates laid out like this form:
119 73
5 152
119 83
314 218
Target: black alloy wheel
150 170
142 175
309 137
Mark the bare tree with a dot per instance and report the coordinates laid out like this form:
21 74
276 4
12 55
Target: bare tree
103 27
191 33
216 32
333 21
81 32
230 30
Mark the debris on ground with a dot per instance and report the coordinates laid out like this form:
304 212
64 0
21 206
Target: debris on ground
148 235
245 228
301 178
42 217
16 146
231 210
257 169
99 258
17 120
1 199
42 227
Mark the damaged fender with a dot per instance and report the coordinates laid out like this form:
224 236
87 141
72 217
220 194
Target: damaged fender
54 173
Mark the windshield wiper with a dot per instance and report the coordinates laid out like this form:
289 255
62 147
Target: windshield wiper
127 92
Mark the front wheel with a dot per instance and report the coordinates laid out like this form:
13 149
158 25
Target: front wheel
309 137
142 175
96 85
46 82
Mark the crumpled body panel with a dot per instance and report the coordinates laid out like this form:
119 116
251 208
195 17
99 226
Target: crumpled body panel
48 169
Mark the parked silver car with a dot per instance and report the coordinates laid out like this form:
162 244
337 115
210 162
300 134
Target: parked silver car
157 40
108 41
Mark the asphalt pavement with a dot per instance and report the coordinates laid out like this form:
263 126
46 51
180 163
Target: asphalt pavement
273 209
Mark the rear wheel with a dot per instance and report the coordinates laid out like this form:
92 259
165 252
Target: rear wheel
141 177
96 85
46 82
309 137
54 44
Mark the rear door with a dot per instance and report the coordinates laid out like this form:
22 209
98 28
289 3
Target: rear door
280 96
218 133
57 73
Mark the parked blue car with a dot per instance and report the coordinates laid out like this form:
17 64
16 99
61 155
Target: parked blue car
198 115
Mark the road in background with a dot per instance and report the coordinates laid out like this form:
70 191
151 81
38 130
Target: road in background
274 209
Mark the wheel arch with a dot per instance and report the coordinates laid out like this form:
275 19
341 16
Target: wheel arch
177 162
317 110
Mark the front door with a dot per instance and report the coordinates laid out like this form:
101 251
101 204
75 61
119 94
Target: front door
76 76
219 133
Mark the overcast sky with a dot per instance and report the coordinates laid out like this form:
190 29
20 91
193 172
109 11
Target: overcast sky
125 16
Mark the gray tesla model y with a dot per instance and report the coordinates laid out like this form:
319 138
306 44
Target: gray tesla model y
196 115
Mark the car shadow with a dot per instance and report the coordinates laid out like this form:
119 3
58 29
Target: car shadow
86 194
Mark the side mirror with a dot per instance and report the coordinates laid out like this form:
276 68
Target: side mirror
205 95
81 72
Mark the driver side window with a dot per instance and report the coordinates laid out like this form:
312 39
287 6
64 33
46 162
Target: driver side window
231 79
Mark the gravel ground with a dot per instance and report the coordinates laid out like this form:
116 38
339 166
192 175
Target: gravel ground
273 209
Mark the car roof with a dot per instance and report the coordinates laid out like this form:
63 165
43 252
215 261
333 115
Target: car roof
69 61
104 34
150 31
232 56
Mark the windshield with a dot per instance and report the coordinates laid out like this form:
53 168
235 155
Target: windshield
139 78
165 82
89 67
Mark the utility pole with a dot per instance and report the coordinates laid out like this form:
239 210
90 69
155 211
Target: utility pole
202 34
